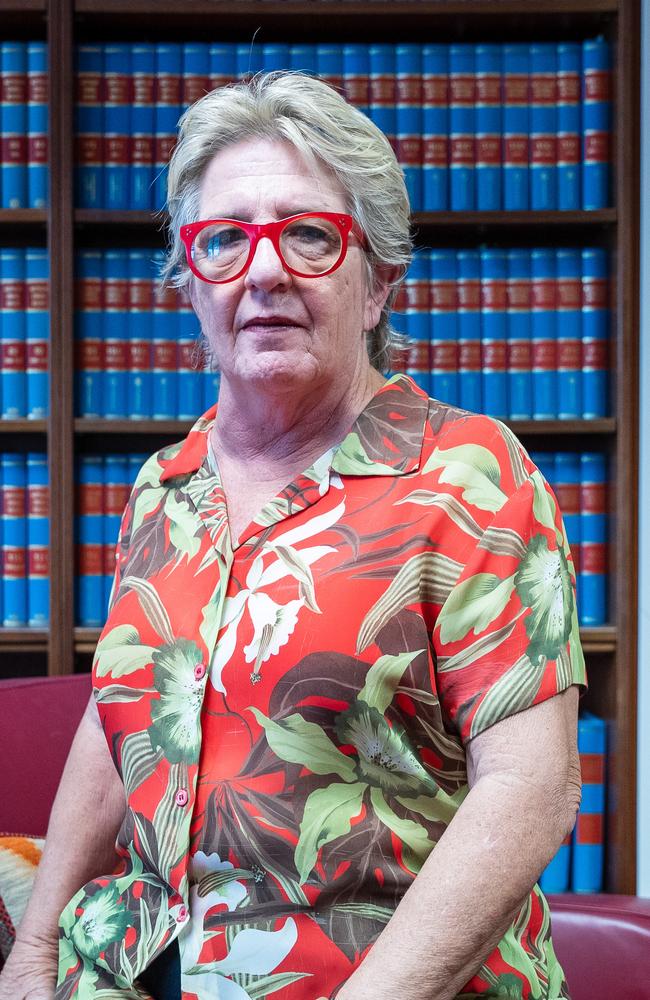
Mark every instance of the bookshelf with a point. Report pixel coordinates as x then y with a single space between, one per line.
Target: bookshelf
611 650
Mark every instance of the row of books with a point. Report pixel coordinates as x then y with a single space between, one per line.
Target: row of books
518 334
24 125
24 332
580 483
579 864
487 126
24 540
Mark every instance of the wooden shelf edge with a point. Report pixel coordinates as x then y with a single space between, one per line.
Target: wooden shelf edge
24 640
23 216
341 8
604 425
23 426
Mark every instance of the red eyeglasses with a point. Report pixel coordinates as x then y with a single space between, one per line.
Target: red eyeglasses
310 245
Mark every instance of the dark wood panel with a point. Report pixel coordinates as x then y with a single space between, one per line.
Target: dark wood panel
23 640
23 427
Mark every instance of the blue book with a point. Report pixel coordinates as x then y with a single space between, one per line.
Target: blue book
444 326
555 877
38 541
543 333
596 123
116 495
589 832
141 126
115 327
211 383
88 330
516 127
14 540
494 313
13 122
89 127
37 125
435 125
134 463
546 462
519 354
140 336
303 59
248 59
566 487
543 126
188 375
382 90
569 334
37 331
196 72
276 56
468 295
462 128
595 333
223 64
117 70
329 64
169 69
489 126
89 531
569 59
356 74
416 289
165 335
408 67
13 379
594 518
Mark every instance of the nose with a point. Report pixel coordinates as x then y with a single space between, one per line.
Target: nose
266 269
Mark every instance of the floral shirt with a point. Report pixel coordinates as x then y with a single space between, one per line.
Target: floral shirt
289 714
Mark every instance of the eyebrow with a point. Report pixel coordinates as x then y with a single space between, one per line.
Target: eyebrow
245 217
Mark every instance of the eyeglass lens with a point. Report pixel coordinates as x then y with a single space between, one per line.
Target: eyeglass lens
308 246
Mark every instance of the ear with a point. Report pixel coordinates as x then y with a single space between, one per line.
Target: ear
384 277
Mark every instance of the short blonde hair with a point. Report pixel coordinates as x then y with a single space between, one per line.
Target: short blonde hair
322 126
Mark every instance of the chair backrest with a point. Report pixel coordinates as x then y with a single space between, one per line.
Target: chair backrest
603 944
38 720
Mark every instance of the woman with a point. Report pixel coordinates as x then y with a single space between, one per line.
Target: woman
342 711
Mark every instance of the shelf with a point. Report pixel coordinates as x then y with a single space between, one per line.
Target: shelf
563 428
23 640
21 225
23 426
22 6
338 8
177 428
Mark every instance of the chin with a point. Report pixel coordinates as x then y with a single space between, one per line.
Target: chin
277 368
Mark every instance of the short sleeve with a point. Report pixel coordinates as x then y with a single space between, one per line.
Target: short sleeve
507 635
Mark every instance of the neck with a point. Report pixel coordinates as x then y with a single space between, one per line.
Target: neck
276 429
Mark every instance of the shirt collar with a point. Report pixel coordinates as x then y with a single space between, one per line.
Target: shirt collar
385 439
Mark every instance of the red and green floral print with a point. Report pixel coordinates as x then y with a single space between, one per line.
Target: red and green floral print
289 715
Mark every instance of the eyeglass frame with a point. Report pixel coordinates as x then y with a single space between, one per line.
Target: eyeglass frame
345 224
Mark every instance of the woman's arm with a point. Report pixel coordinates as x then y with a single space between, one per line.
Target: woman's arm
86 816
524 776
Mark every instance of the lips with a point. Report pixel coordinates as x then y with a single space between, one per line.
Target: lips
270 321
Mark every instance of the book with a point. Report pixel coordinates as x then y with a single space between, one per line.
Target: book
416 286
596 123
594 519
169 68
37 505
142 123
589 834
543 126
89 334
568 126
139 383
37 332
462 128
89 541
569 333
115 325
13 524
595 333
468 297
165 335
435 125
356 71
489 127
544 333
443 326
13 122
516 126
13 333
115 496
518 335
117 103
566 486
408 66
494 275
89 127
382 90
37 125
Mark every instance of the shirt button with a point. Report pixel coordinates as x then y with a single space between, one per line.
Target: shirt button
199 671
181 798
182 915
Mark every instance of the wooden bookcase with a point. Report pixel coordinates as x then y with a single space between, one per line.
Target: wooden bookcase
611 650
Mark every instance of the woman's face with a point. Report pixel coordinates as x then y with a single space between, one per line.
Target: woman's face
319 335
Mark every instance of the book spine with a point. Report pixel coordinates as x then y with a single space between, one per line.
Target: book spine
569 337
596 123
37 127
135 461
462 138
117 104
277 56
568 126
90 551
593 580
89 127
435 125
468 295
543 127
382 91
489 127
37 332
115 323
516 127
211 383
165 335
567 490
329 65
140 335
399 349
544 334
595 333
116 495
555 877
89 339
13 123
13 380
141 138
519 349
416 288
38 541
223 59
444 326
303 59
196 72
356 74
14 541
494 303
248 60
169 68
408 66
588 835
188 361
